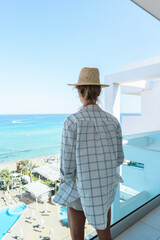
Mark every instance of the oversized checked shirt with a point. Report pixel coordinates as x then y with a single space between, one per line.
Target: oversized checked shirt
91 151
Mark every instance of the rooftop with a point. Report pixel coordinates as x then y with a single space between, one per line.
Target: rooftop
37 188
49 171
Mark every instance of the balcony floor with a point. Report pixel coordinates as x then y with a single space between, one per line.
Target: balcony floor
148 228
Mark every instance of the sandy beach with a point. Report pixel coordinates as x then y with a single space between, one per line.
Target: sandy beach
38 161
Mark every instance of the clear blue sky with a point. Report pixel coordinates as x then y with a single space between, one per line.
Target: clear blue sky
44 44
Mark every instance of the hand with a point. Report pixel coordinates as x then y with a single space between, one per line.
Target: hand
62 181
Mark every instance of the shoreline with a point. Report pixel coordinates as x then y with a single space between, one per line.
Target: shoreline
38 161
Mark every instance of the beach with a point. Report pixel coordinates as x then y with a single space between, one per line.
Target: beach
38 161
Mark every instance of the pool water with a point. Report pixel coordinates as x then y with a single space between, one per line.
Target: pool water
63 214
147 140
17 209
9 216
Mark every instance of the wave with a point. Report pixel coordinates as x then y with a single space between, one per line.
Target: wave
28 150
20 122
17 121
14 121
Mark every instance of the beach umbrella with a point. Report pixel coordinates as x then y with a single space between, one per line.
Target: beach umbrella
42 221
33 214
21 232
36 204
9 198
6 194
51 233
46 208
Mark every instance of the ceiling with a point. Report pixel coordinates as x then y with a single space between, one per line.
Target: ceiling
151 6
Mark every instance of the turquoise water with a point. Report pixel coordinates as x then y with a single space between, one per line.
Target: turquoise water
8 217
27 136
63 214
17 209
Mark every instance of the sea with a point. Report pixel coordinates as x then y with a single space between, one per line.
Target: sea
28 136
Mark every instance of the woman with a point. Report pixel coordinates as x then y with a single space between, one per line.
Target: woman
91 151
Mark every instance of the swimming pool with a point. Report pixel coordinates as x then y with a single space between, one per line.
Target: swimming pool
63 214
148 140
8 217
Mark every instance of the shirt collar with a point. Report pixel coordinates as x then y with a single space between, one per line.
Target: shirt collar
90 107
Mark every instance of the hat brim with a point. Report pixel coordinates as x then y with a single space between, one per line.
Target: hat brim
92 84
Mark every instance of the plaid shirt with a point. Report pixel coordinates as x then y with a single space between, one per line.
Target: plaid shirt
91 151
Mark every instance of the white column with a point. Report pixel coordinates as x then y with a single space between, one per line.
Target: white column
112 105
112 100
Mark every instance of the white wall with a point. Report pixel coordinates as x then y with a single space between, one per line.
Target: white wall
130 103
150 113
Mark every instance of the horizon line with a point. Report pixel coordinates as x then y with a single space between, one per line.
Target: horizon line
31 113
55 113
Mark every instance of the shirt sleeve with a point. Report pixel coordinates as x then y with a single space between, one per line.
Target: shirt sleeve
68 152
120 153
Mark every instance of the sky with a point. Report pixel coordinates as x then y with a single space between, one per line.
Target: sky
44 45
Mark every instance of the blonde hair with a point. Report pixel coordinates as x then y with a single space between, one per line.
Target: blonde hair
89 93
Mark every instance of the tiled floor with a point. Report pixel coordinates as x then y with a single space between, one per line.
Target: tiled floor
148 228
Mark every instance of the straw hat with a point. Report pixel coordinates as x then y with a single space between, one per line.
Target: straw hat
89 76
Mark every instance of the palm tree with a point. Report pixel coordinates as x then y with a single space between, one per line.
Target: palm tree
5 175
23 163
29 168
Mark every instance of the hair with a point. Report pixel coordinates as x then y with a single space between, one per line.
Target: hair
89 93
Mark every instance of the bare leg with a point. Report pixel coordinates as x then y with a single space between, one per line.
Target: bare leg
76 221
105 234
